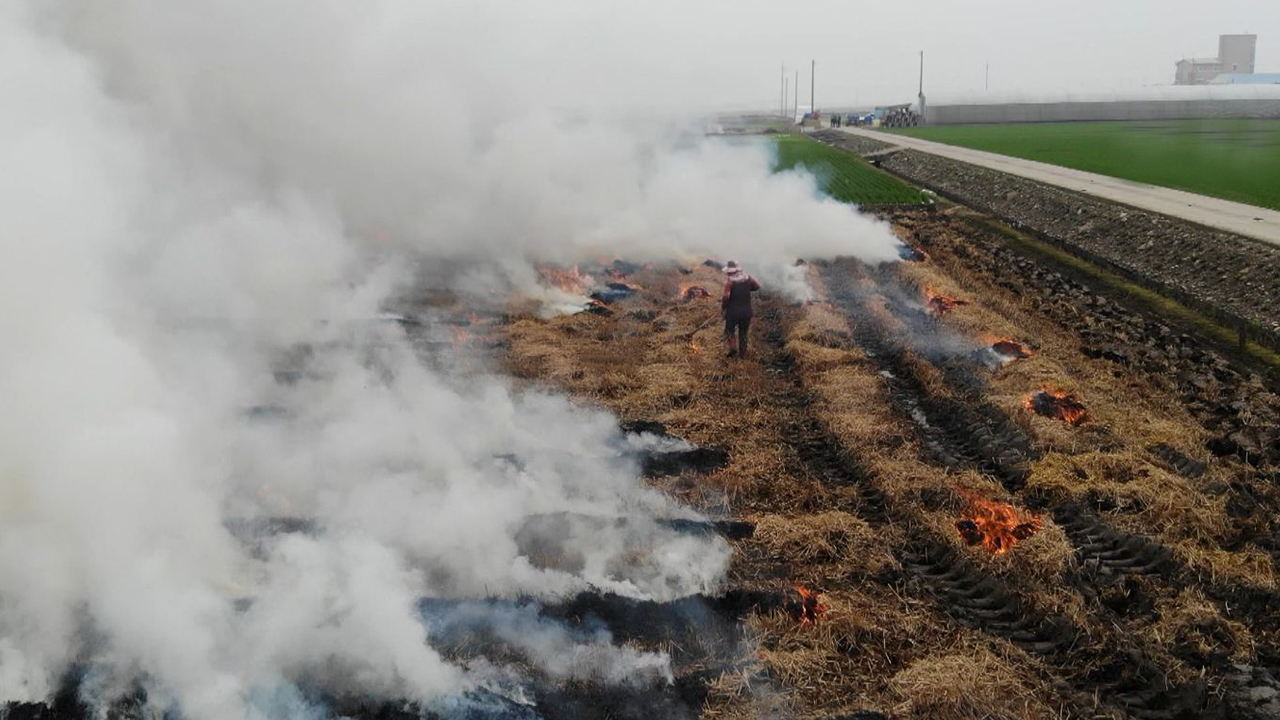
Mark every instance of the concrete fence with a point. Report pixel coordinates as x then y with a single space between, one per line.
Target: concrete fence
1165 103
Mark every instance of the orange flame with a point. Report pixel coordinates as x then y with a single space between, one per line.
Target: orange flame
569 280
939 303
997 526
806 606
1057 404
1009 349
694 292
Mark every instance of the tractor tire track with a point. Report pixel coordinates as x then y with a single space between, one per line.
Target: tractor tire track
973 433
1235 405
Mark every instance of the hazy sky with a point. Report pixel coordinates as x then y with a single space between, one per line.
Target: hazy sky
728 52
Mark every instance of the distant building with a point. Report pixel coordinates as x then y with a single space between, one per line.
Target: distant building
1235 56
1197 71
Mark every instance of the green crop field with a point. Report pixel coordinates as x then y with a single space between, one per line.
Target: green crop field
845 177
1232 159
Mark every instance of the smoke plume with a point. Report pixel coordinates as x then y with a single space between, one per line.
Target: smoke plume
208 209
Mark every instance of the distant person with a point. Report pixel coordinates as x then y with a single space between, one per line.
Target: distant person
735 304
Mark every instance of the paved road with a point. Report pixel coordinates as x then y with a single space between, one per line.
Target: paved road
1238 218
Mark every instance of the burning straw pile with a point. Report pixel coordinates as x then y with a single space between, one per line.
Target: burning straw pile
941 304
996 526
1057 404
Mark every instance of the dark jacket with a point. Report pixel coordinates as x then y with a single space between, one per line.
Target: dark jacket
736 300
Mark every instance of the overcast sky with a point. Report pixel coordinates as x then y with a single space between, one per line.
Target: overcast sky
727 53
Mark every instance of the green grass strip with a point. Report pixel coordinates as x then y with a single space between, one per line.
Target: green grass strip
844 176
1231 159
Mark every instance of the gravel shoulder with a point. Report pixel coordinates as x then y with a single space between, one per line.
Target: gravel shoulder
1235 278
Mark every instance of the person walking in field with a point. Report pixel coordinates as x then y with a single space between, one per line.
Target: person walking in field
735 304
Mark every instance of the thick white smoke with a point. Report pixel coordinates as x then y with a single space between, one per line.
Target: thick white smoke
193 193
434 125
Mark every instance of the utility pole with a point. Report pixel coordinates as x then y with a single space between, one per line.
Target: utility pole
782 87
921 72
795 94
786 92
813 64
922 86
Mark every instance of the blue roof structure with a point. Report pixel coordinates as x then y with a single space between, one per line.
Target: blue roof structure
1246 79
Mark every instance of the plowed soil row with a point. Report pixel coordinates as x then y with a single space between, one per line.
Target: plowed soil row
1244 597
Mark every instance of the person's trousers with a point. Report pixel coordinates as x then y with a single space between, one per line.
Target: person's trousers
740 326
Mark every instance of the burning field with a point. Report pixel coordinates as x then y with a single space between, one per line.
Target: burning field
953 533
323 403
